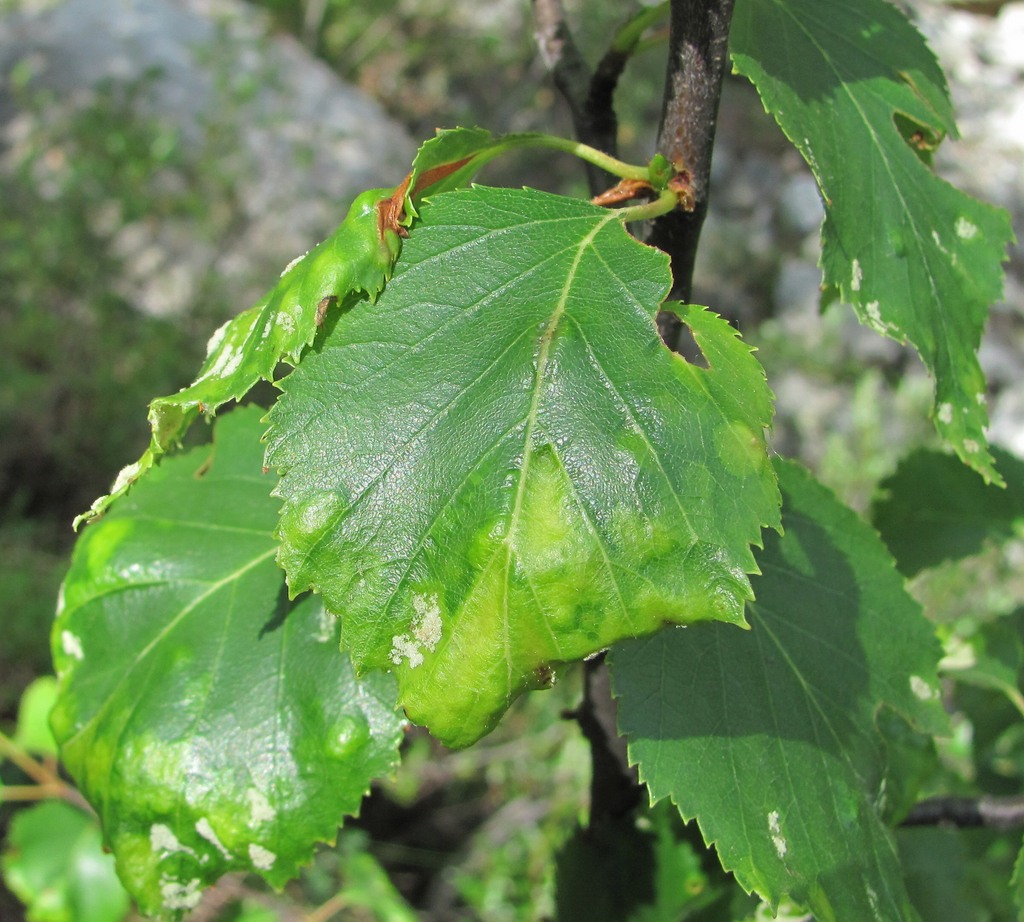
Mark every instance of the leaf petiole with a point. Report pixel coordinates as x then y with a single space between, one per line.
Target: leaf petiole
584 151
667 200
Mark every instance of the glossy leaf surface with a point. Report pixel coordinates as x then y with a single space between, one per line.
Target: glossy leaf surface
212 723
498 467
768 738
450 159
355 260
854 86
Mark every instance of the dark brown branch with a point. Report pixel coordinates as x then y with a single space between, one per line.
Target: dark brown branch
698 53
614 786
698 43
993 812
589 94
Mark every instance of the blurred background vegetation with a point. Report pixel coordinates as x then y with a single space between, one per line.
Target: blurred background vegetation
473 835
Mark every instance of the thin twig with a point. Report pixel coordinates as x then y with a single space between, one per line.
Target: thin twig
12 792
590 103
328 910
48 782
33 769
965 812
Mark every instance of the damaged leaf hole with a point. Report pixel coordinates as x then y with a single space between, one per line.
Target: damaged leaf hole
687 347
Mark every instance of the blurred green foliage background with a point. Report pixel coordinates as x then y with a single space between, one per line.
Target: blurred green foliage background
478 834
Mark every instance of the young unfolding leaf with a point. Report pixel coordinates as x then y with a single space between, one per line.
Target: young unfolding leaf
212 724
769 738
355 260
855 88
453 156
499 467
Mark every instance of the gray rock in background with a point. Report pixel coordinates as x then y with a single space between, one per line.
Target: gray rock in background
298 144
295 142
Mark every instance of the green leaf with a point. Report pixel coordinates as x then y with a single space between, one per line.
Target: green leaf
498 467
55 864
450 159
212 724
932 509
253 912
355 261
607 874
621 872
990 657
1017 884
855 88
32 732
768 738
912 764
938 873
366 885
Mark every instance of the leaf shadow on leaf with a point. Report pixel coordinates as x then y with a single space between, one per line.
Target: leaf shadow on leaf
770 738
876 46
332 315
768 680
282 608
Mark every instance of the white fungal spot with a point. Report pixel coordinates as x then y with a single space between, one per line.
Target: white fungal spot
781 847
180 896
873 902
857 277
427 627
965 230
260 810
204 829
426 632
232 359
285 322
945 413
981 400
162 839
938 242
293 264
882 800
71 645
262 859
125 476
921 689
217 338
875 316
225 364
971 447
402 646
325 624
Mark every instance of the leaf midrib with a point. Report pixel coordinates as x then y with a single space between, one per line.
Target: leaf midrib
543 357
